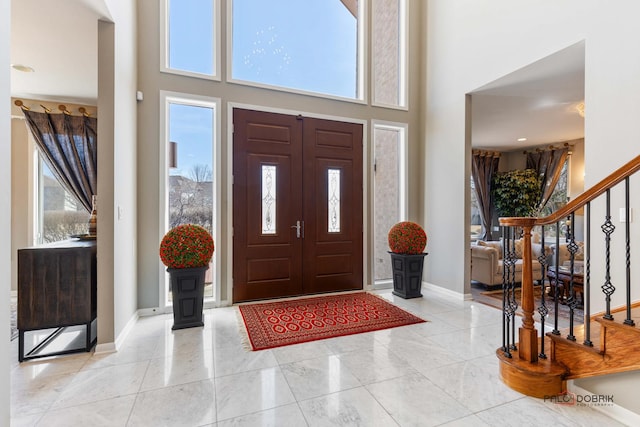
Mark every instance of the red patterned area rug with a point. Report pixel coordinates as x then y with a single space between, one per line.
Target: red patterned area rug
275 324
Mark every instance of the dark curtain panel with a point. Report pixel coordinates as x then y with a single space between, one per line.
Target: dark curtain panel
483 166
68 145
548 164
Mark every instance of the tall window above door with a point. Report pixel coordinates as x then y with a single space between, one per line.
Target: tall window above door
310 46
190 37
389 40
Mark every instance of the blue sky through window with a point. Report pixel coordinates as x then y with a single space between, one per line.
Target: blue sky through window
191 35
309 45
192 128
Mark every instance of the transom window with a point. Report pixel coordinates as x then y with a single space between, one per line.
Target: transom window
189 36
310 45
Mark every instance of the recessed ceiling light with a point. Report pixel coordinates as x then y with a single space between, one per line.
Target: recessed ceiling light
23 68
522 139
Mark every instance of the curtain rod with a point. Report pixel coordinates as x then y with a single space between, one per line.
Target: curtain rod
549 148
61 107
486 153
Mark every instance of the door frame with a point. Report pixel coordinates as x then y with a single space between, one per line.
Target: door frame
366 171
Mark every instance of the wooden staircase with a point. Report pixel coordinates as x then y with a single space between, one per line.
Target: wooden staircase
615 348
539 365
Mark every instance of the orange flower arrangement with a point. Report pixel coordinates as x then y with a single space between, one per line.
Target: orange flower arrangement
407 238
186 246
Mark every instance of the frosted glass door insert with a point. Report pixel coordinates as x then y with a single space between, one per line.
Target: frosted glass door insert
268 199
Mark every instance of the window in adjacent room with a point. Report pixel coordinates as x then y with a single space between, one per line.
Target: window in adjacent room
59 214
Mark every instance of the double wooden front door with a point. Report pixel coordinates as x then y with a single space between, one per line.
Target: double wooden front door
297 205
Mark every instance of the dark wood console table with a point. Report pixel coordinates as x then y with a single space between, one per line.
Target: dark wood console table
563 280
57 286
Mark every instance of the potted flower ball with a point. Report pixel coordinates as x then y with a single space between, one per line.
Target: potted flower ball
186 250
407 241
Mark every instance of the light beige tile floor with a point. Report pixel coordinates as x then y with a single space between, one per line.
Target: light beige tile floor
443 372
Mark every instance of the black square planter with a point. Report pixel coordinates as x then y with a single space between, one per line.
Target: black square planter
187 291
407 274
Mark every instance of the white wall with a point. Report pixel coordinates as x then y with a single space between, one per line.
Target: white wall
5 211
117 172
124 209
626 383
471 43
21 181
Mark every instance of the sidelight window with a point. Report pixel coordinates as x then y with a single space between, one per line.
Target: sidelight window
189 162
390 183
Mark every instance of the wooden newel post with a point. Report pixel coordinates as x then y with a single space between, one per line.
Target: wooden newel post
528 335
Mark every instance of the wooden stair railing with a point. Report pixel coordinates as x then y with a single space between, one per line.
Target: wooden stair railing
538 367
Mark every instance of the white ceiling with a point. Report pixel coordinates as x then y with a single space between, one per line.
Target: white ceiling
537 102
59 40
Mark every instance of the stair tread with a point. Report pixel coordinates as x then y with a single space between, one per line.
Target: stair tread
618 322
618 354
579 331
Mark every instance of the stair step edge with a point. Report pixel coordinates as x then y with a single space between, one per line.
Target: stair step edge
618 325
578 343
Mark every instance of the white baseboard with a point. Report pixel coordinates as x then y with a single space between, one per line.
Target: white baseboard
614 411
122 336
448 292
153 311
110 347
216 304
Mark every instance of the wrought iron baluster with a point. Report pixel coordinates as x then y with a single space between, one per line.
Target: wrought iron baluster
512 285
627 210
556 295
607 288
587 280
508 298
505 313
542 309
572 302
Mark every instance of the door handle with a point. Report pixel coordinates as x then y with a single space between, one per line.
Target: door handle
299 229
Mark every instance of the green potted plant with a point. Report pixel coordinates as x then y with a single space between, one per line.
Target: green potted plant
407 241
516 193
186 250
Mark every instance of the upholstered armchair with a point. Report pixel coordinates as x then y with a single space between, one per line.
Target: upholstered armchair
565 256
487 258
